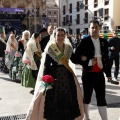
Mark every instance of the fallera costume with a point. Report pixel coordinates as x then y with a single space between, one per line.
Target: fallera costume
10 55
28 79
64 100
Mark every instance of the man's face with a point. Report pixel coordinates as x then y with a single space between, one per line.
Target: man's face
50 30
94 30
115 34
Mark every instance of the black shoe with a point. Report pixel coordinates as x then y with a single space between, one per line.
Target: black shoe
32 92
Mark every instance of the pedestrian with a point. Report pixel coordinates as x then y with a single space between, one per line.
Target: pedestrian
92 54
83 33
46 38
63 100
23 41
16 73
31 59
114 49
76 41
11 48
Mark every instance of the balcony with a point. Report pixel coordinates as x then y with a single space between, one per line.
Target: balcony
78 9
106 17
95 4
85 20
77 21
86 7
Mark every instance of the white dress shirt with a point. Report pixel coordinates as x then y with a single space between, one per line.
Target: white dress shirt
96 43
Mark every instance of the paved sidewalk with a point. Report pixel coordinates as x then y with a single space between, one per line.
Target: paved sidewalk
15 99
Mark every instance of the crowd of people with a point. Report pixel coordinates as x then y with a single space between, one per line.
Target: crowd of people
41 61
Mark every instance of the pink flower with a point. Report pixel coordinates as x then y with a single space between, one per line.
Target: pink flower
17 54
26 61
6 51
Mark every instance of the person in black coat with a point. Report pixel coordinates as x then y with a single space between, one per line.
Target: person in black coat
92 54
45 39
114 49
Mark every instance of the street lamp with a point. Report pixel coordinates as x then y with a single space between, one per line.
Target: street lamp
69 24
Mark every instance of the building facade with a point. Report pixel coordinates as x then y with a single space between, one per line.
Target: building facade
52 12
75 15
33 11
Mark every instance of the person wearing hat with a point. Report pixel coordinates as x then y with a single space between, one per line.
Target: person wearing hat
83 33
114 49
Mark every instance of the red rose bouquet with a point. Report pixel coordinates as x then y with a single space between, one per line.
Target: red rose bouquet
48 80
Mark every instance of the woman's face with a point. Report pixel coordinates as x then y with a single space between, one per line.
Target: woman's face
37 39
60 36
12 37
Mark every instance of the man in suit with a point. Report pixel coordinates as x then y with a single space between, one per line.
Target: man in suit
114 49
92 54
45 39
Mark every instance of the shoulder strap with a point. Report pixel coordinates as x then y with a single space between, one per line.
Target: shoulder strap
61 57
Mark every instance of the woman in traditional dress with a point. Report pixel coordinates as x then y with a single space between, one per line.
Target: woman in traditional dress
23 41
11 48
18 65
31 60
63 100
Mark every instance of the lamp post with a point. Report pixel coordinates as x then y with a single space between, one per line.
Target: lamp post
69 24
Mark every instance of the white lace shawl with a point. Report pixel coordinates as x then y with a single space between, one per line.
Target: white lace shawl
29 53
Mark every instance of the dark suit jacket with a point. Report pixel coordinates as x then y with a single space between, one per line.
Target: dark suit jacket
44 42
116 43
86 48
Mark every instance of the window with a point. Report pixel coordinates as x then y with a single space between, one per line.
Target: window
106 15
106 2
78 6
78 31
86 4
70 10
86 18
78 19
95 13
106 28
71 31
118 28
63 21
55 20
95 3
106 11
49 12
54 12
64 9
71 19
